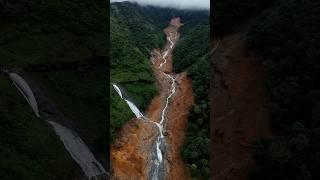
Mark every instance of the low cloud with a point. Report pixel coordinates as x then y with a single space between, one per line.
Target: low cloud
180 4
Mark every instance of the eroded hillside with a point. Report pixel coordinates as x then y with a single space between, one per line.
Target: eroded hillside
239 115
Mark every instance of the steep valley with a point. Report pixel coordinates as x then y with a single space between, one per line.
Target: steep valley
135 153
238 108
152 145
265 95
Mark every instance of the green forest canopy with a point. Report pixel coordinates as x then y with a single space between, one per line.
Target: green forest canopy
44 33
285 34
135 31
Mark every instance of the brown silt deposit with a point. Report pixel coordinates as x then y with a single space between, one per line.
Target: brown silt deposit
131 154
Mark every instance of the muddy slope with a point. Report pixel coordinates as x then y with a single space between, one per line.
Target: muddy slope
132 152
238 108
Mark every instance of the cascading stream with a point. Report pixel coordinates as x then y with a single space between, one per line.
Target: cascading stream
164 57
78 150
168 38
160 139
165 54
157 163
168 98
131 105
25 90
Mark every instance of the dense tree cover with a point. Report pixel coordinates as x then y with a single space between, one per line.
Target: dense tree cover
133 36
41 33
191 55
162 16
135 31
194 43
286 35
228 15
196 147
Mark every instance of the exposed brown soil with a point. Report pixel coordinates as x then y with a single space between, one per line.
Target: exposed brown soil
131 153
238 109
176 22
176 168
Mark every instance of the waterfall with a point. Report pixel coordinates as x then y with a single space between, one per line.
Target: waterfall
71 141
79 151
25 90
131 105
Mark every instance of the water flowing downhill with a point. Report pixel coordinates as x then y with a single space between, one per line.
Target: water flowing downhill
172 44
164 57
158 154
131 105
165 54
78 150
25 90
173 90
157 169
157 160
145 149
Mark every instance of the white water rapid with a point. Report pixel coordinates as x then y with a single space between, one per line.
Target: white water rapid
160 141
168 38
25 90
157 168
157 163
131 105
78 150
173 90
164 57
165 54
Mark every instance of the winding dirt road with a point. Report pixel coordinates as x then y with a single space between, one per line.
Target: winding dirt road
146 151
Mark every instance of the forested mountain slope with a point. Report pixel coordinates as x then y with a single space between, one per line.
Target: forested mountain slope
133 35
285 34
192 55
60 45
50 31
135 31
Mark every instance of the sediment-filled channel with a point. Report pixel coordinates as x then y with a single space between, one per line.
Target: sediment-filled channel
149 145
